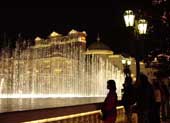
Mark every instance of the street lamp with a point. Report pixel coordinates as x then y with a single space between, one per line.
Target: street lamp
126 64
139 27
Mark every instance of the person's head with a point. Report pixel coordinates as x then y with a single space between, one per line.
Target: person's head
111 85
143 79
156 84
128 80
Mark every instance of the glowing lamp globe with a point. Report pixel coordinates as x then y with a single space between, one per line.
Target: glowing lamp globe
129 18
142 26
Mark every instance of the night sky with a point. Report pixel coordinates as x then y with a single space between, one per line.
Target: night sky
104 18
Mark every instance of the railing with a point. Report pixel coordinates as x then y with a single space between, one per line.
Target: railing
86 117
84 113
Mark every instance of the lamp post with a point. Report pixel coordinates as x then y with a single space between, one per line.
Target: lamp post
139 28
126 64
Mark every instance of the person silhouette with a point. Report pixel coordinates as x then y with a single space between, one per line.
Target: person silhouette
158 98
145 100
109 105
165 100
128 98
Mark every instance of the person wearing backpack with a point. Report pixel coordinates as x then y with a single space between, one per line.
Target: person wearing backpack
128 98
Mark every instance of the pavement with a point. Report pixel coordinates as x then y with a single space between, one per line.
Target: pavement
167 121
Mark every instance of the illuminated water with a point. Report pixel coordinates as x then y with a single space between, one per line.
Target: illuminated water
20 104
55 67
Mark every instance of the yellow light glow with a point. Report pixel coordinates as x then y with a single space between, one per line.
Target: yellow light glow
56 43
123 61
102 52
82 39
1 84
84 32
141 63
34 75
126 61
129 18
114 56
21 95
129 62
37 39
134 79
46 61
73 31
57 71
142 26
54 34
68 116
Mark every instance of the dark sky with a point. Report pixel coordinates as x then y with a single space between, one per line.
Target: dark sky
103 18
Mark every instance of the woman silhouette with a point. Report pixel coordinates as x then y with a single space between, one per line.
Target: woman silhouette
109 105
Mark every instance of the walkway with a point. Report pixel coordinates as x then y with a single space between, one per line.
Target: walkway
134 119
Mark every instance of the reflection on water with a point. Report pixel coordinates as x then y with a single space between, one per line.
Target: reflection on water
9 105
54 67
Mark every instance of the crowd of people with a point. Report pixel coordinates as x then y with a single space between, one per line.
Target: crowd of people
150 100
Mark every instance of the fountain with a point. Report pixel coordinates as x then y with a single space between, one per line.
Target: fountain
56 67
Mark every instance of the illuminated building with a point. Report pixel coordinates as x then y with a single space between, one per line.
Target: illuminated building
58 66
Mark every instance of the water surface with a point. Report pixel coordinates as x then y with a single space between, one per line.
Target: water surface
16 104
